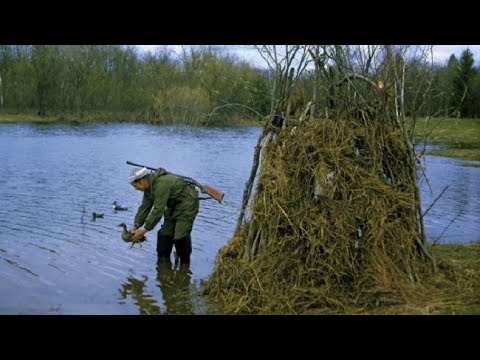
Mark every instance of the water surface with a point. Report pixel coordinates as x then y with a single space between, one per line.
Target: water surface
55 259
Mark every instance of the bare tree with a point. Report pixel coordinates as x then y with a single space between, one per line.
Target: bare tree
286 65
363 82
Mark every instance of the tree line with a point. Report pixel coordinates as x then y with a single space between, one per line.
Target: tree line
202 85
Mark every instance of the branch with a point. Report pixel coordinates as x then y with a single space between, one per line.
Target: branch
249 184
438 197
357 76
451 222
234 104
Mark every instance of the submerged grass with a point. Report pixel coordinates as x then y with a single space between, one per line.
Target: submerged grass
463 154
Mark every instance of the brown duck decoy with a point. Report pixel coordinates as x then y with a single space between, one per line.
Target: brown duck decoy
127 235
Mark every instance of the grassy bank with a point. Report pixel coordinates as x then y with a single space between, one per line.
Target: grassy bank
66 118
453 290
461 135
30 118
91 117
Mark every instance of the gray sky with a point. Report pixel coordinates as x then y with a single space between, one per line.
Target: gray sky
441 53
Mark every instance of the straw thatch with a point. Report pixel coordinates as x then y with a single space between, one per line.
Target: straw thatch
332 224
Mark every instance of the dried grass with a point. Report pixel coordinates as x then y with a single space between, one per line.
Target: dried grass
332 224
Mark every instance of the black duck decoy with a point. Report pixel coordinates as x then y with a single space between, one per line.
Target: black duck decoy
117 207
96 216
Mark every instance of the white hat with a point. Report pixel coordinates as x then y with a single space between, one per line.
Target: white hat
137 173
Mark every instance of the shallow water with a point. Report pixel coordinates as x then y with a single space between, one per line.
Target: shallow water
55 259
455 217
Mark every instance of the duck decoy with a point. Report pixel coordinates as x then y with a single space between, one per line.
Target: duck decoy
127 235
117 207
96 216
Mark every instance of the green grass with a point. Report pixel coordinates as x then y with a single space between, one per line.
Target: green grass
87 117
461 135
456 286
464 154
99 116
453 290
15 118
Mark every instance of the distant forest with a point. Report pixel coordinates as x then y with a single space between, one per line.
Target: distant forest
200 86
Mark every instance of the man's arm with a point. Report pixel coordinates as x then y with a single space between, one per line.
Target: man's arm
142 212
159 204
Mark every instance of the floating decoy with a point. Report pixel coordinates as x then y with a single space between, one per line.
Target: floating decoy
117 207
127 235
96 216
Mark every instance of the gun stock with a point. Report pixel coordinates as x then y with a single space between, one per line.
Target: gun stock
214 193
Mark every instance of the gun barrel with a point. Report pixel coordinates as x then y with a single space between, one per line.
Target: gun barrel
134 164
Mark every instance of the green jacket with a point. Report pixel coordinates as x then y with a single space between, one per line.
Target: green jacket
163 192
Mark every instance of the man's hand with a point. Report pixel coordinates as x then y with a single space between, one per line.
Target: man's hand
138 234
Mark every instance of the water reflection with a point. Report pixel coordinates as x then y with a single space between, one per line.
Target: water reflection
175 286
136 289
176 290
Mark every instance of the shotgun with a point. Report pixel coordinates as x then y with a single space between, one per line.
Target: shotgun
205 189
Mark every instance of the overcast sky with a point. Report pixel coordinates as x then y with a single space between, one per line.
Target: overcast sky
441 53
